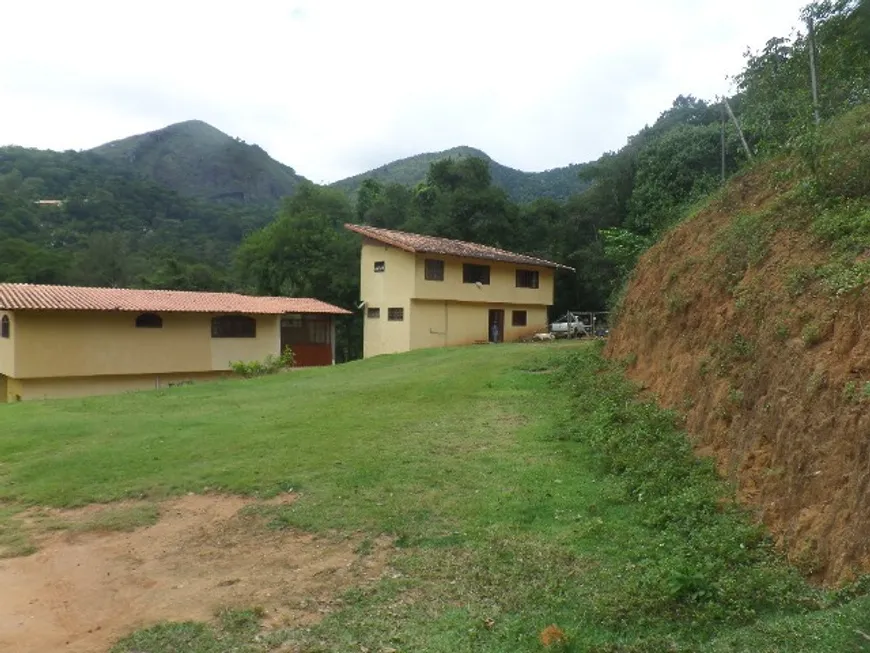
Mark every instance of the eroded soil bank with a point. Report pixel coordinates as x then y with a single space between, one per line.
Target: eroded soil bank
725 322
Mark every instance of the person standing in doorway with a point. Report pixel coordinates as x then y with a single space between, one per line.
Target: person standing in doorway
493 332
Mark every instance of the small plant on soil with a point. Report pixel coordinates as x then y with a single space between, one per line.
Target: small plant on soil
811 334
816 382
850 392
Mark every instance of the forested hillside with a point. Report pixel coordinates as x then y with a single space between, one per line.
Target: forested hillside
195 159
68 217
558 184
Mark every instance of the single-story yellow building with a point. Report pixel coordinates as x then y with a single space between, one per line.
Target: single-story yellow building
61 341
424 291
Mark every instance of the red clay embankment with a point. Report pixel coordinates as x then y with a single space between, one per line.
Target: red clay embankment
769 367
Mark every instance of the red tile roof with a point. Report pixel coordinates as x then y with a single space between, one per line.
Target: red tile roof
445 246
28 296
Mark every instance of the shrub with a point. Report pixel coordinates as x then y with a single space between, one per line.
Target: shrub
811 334
269 365
850 392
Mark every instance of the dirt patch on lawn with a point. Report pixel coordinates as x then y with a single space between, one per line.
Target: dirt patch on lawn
82 591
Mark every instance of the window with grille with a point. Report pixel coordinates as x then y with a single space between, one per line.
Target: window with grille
233 326
318 331
434 269
380 266
373 313
395 314
527 279
4 327
149 321
475 273
518 318
305 329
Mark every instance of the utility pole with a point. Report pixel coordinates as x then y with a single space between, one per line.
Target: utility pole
722 137
812 39
739 131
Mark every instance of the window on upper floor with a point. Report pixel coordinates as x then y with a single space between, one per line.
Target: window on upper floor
527 279
519 318
373 313
395 314
233 326
434 269
380 266
5 329
149 321
475 273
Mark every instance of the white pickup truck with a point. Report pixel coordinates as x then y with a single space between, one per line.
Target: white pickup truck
570 326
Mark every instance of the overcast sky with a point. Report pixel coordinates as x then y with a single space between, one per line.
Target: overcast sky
336 87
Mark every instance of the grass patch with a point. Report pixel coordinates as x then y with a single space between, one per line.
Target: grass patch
742 244
14 540
120 519
190 637
811 334
522 504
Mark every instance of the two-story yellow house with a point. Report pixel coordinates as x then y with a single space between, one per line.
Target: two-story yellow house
423 291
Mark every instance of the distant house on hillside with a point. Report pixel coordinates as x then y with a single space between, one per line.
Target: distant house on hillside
423 291
58 341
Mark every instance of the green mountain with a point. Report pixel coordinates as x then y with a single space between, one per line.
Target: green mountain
77 217
197 160
558 183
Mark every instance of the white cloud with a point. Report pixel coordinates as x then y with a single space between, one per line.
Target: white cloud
334 87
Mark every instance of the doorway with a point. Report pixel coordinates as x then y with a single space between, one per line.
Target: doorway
495 325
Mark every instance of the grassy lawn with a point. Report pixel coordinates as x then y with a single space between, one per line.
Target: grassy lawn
524 487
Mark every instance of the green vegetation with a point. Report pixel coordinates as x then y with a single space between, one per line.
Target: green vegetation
556 184
270 365
14 540
523 485
195 159
111 228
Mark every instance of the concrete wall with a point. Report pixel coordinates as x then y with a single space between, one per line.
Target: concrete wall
51 344
438 324
30 389
7 346
225 350
501 289
391 288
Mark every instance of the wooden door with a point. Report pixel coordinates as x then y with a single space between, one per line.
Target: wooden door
495 325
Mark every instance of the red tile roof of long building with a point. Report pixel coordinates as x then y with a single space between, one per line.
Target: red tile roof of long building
418 243
27 296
